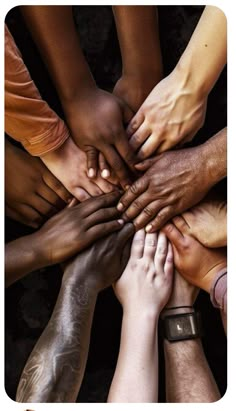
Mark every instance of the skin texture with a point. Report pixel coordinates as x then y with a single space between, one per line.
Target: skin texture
175 109
185 360
142 64
143 290
196 263
207 222
63 236
173 182
95 118
69 165
65 341
33 194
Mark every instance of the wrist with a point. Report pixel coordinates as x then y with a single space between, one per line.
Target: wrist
177 309
87 87
141 314
74 275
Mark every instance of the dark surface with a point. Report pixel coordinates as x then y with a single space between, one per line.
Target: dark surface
29 303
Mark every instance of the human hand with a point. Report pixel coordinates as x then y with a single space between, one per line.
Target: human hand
196 263
147 279
32 193
134 88
207 222
172 113
96 120
175 181
68 163
75 228
103 262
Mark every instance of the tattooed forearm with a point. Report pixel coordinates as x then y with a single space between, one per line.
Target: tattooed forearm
55 368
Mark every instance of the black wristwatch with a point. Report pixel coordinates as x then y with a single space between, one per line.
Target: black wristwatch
179 327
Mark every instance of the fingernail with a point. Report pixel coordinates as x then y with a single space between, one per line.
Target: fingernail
105 173
120 207
91 173
148 228
120 221
127 186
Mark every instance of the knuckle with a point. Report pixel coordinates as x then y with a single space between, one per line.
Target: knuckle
148 211
134 189
137 204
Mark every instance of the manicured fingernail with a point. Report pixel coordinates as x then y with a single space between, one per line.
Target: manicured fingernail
148 228
120 207
127 186
91 173
105 173
120 221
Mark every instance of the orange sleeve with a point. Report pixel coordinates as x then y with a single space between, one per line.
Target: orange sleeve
28 118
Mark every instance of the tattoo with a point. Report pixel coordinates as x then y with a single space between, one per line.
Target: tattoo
55 368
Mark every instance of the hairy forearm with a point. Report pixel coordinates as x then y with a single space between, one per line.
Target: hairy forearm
206 53
55 34
21 258
215 153
136 374
55 368
188 376
140 48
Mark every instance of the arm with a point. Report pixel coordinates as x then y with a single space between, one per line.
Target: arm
140 50
143 290
188 173
54 371
83 224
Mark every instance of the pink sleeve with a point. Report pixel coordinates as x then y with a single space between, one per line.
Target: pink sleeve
218 293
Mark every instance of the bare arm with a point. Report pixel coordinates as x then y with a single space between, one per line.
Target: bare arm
188 376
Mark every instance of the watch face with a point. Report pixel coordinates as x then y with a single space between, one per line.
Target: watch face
182 326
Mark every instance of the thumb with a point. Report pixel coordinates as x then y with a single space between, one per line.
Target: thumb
146 164
123 235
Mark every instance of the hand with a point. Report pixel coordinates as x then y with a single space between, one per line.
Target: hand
33 194
75 228
103 262
172 114
175 181
133 89
196 263
147 279
96 120
68 164
207 222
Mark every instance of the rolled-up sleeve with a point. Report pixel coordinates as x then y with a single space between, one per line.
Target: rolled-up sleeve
28 118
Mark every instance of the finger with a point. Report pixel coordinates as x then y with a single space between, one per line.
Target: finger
173 234
137 246
81 194
146 164
150 246
104 166
117 165
73 203
123 236
135 123
51 196
140 136
91 188
165 146
32 216
92 161
17 216
134 191
105 185
125 150
53 183
102 230
161 251
181 224
169 263
148 212
148 148
44 208
162 216
103 201
102 215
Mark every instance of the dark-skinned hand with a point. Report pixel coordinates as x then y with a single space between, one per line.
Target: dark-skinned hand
173 182
75 228
32 193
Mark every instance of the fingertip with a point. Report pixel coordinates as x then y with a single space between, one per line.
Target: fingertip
105 173
91 172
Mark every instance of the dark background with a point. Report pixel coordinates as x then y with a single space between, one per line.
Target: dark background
29 302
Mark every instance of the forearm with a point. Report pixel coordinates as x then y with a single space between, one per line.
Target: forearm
55 368
136 374
54 32
140 48
21 258
188 376
215 157
207 46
